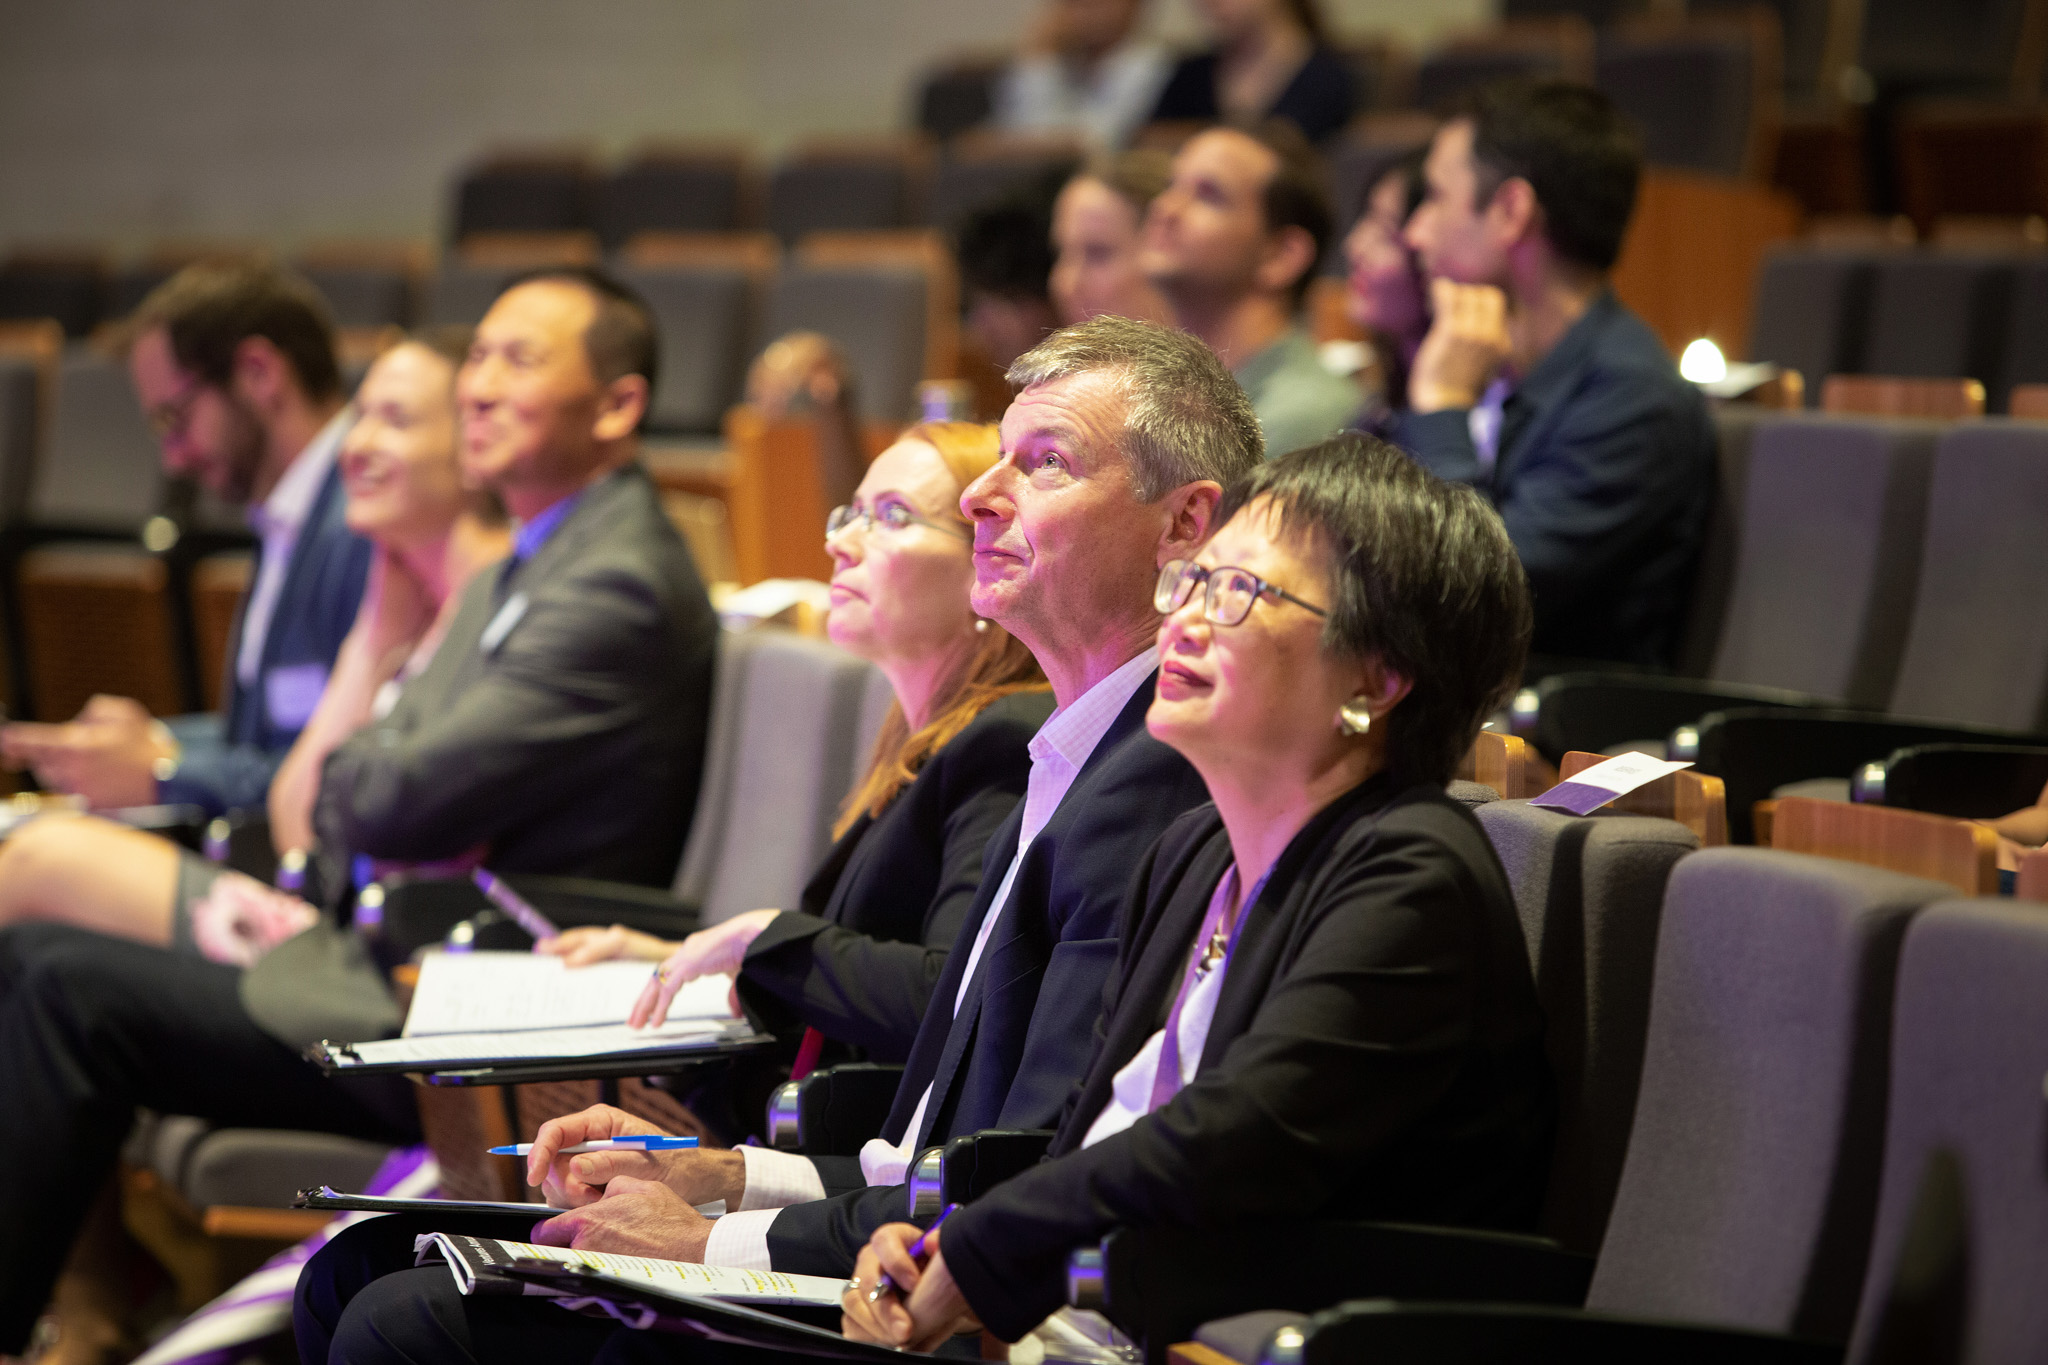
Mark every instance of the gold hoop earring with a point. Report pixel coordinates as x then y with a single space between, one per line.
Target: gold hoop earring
1353 718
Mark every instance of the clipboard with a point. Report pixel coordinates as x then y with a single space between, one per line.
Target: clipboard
327 1197
647 1307
345 1059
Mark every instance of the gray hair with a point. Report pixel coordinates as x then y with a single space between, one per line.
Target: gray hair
1185 418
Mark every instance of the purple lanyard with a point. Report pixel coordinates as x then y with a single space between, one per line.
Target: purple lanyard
1166 1080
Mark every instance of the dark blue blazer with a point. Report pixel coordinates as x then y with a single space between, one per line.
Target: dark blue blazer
229 764
1604 478
1024 1033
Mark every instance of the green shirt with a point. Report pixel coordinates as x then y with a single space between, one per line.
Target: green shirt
1298 402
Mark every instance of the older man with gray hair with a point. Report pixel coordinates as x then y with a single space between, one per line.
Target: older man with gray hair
1116 451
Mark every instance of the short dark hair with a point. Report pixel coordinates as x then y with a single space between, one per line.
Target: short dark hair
622 338
1422 576
1005 246
1298 195
1573 147
209 309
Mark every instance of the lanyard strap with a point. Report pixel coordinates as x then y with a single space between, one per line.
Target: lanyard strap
1166 1080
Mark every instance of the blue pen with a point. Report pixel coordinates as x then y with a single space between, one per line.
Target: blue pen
514 905
617 1144
883 1284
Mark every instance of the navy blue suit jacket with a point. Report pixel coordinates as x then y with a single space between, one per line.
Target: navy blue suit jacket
1604 478
227 761
1024 1034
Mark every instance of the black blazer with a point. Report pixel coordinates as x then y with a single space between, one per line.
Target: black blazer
1318 98
228 767
859 956
1024 1033
565 735
1604 479
1376 1053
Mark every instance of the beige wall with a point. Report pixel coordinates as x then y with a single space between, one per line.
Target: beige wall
126 121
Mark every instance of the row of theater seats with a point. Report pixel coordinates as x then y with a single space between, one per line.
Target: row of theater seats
1958 313
1800 1108
1871 580
792 721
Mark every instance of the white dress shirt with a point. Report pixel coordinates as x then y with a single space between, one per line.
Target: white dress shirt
1041 93
1059 750
277 521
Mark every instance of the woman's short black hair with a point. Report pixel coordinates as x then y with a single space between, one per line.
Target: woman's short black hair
1422 576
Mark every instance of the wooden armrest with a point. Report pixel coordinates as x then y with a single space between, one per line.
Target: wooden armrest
272 1225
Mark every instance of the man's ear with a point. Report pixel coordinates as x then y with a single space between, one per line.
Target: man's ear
261 376
1290 253
1191 517
620 407
1515 211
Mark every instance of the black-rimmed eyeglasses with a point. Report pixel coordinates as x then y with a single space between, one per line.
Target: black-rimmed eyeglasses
892 516
1230 591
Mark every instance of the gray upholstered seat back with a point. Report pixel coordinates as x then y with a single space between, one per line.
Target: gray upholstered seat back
876 314
1589 892
100 469
1939 315
1838 506
458 295
1752 1169
705 318
1691 92
786 719
20 433
1812 311
1978 650
1970 1048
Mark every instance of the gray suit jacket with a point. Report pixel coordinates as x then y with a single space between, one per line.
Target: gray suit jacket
560 729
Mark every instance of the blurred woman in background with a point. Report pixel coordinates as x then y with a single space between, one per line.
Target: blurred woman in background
1387 292
1096 222
1271 59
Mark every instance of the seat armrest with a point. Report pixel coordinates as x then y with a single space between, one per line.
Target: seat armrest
1756 750
969 1166
978 1162
1395 1333
1594 711
1158 1284
834 1110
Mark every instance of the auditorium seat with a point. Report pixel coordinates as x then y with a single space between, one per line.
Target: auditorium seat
101 471
1558 46
366 284
1874 395
1939 315
1967 781
1940 848
1812 311
959 94
683 187
1748 1183
461 291
1970 1044
978 169
525 191
707 316
2025 345
22 422
787 738
1703 93
97 618
69 286
1589 893
842 185
877 314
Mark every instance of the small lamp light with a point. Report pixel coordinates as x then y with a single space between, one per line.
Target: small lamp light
1703 363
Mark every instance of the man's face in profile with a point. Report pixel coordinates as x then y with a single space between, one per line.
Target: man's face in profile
1059 534
1206 232
1452 229
204 431
527 396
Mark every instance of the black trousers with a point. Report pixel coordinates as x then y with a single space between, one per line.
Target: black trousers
361 1301
90 1028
